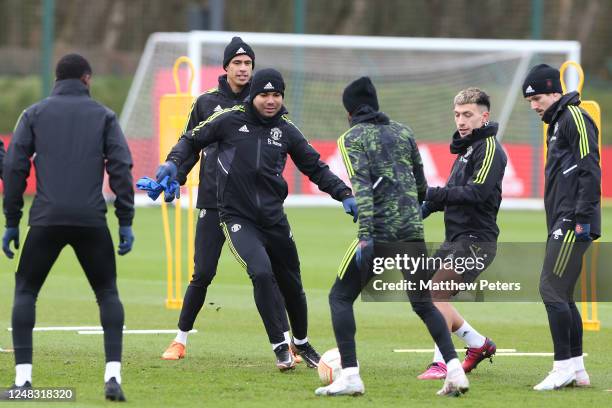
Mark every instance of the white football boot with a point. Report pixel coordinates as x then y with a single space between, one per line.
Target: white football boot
556 379
582 379
455 384
344 385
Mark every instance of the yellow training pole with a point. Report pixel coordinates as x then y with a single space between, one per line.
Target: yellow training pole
173 113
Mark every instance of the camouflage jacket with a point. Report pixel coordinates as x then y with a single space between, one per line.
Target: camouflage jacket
386 171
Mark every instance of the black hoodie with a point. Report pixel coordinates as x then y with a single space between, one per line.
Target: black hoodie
207 104
472 195
572 188
252 152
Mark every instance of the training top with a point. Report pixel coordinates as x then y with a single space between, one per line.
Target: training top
210 102
572 186
473 191
252 153
386 172
72 140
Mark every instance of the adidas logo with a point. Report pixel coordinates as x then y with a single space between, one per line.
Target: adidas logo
241 51
269 86
529 89
218 109
244 128
557 234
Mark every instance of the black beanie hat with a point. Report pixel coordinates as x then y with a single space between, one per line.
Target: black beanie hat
360 92
542 79
266 80
72 66
237 47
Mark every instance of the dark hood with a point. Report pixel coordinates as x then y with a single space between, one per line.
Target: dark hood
551 114
226 89
367 114
460 144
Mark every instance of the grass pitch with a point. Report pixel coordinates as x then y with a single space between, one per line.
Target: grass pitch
230 363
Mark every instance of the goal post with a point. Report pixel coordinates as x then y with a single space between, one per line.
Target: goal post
416 79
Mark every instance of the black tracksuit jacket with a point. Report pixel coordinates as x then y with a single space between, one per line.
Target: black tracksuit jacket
472 195
572 188
252 153
73 139
210 102
2 152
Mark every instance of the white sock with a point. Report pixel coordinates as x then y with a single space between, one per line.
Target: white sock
287 337
275 345
181 337
23 373
113 369
563 365
453 365
578 363
470 336
350 371
299 342
437 358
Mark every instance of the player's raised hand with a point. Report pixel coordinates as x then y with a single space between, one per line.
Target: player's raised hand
168 169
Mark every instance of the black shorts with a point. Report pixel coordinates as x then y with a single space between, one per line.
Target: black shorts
470 256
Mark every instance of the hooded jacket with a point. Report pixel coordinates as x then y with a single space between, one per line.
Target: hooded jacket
572 187
207 104
252 153
386 172
472 195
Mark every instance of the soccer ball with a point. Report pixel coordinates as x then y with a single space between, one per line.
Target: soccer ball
329 366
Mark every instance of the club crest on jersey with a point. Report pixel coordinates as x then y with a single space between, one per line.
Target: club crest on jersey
236 227
557 233
275 135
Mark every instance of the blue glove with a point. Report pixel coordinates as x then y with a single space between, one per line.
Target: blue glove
126 240
583 232
425 210
350 207
171 189
168 169
10 234
149 185
365 253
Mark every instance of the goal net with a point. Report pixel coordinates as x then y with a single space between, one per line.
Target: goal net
416 79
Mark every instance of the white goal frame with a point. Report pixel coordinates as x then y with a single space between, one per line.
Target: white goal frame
525 49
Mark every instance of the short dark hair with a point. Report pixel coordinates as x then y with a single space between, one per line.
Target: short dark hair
473 95
72 66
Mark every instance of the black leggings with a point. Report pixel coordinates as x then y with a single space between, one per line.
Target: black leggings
350 282
94 249
271 260
561 270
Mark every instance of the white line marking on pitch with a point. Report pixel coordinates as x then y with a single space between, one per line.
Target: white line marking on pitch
499 353
171 331
432 350
64 328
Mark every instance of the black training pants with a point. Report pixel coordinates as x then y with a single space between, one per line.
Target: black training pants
350 282
561 270
94 249
270 257
209 240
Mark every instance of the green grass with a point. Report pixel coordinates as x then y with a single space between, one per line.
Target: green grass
230 363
